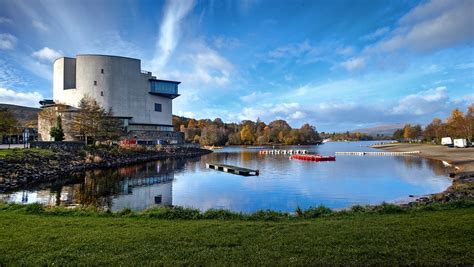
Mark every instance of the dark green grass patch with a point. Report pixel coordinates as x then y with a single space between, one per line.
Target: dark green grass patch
440 237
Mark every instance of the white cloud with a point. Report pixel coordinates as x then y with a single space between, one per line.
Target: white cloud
376 34
202 66
10 76
47 54
43 70
354 63
294 50
40 25
5 20
194 62
431 26
112 43
255 96
225 42
30 99
341 114
465 66
7 41
170 31
289 77
345 51
424 102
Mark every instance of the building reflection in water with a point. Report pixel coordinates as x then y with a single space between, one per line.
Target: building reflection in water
136 187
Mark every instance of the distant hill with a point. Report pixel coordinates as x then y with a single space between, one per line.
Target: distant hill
26 115
386 130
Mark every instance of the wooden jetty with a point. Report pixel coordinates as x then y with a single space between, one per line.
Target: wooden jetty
378 153
232 169
282 151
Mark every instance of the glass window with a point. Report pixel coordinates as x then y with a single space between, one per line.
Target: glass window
102 71
95 82
157 107
164 87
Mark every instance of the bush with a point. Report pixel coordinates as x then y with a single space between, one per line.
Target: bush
125 211
173 213
386 208
314 212
221 214
358 209
34 208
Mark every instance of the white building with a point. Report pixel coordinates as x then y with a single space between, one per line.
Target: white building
142 101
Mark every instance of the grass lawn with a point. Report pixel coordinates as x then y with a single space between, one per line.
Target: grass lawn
426 237
21 152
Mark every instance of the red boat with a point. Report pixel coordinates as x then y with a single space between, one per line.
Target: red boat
313 157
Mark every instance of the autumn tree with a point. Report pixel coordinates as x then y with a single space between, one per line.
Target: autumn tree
469 122
456 123
407 131
246 135
308 134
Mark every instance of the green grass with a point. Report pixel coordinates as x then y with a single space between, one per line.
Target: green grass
434 235
19 152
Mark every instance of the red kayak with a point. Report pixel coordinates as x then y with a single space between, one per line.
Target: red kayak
313 157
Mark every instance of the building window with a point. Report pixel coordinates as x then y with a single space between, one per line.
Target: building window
157 107
95 82
101 93
102 71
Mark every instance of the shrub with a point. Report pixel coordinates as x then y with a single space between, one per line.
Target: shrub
173 213
386 208
299 212
358 208
34 208
125 211
221 214
314 212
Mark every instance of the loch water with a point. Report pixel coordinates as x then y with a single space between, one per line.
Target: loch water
282 185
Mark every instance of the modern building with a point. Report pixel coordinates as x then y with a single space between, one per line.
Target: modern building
143 102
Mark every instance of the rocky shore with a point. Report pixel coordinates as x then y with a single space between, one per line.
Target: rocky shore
460 160
29 167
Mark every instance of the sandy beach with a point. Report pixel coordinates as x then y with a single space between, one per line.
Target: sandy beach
459 157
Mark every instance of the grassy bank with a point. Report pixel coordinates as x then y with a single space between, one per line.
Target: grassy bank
436 234
19 152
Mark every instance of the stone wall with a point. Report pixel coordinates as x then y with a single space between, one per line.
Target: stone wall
47 118
169 137
66 145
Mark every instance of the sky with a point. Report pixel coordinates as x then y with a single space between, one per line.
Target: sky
339 65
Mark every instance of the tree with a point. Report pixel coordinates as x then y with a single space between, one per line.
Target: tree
407 134
308 134
57 132
111 128
8 123
469 122
92 121
416 132
455 124
398 134
434 130
246 135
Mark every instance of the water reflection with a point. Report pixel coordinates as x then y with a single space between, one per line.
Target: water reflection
283 184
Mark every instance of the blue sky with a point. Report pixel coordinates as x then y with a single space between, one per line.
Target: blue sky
339 65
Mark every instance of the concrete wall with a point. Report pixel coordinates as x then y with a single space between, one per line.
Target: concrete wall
121 87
